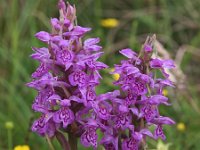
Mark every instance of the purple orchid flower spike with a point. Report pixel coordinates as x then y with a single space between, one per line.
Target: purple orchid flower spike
141 95
66 80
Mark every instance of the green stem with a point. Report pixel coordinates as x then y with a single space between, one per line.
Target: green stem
10 145
72 141
63 142
49 143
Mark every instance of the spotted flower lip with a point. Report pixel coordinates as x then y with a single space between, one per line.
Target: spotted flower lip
130 144
44 125
89 137
64 115
65 57
78 78
41 70
159 133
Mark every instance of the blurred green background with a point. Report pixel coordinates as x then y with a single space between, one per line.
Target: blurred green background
175 22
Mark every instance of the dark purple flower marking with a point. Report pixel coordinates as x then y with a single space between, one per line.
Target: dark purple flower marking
91 94
159 132
109 146
40 123
102 109
78 78
109 142
130 144
150 112
41 104
89 137
41 70
122 120
65 57
44 125
139 87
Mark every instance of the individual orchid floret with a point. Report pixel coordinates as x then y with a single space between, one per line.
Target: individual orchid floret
90 44
64 115
162 65
89 137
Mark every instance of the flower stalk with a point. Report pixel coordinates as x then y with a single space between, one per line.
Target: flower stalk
62 140
73 141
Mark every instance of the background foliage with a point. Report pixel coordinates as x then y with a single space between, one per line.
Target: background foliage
176 24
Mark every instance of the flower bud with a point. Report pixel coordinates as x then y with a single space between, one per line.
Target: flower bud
9 125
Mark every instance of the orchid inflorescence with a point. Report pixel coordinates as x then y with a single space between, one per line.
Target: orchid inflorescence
67 101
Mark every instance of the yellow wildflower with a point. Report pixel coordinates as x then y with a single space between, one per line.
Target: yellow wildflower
181 127
22 147
165 92
115 76
109 22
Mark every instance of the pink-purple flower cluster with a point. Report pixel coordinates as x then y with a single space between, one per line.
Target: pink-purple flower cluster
66 81
141 95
